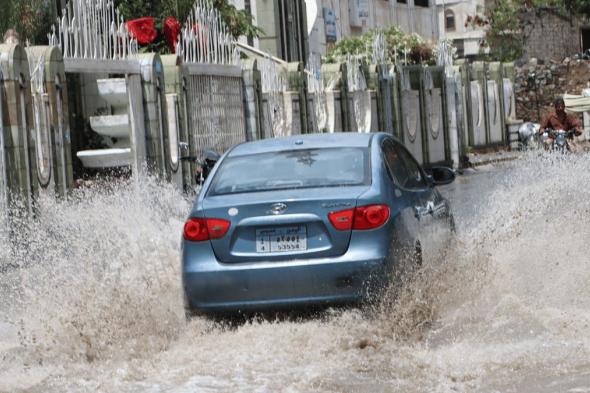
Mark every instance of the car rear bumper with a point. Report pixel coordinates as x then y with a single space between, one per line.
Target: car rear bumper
214 287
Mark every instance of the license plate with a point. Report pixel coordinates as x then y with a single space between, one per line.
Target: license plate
283 239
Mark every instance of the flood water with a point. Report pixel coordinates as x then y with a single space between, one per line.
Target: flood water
90 301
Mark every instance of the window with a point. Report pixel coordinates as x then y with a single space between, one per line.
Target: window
292 169
449 20
402 167
292 34
415 178
460 46
395 169
402 1
421 3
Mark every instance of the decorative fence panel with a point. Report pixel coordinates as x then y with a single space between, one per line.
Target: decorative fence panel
411 110
50 107
216 114
435 122
20 181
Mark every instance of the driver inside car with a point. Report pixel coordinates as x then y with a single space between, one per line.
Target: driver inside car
559 120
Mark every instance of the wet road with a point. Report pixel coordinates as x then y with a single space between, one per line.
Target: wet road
96 305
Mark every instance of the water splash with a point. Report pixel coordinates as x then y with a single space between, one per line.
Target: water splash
355 77
317 90
93 278
274 86
445 54
95 302
379 53
361 97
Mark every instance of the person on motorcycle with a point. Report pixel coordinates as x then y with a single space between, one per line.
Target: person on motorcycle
209 161
559 120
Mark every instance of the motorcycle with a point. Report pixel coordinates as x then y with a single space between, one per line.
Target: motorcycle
202 166
559 138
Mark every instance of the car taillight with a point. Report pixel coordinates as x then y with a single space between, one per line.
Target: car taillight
370 217
360 218
201 229
342 220
217 227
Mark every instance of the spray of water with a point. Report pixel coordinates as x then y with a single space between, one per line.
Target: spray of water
94 277
361 97
94 302
274 86
317 90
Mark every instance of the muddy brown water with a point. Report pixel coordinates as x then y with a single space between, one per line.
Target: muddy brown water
92 301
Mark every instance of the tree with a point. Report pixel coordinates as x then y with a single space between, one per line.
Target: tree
30 18
504 39
417 50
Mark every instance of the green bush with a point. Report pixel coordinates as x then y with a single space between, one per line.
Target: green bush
418 50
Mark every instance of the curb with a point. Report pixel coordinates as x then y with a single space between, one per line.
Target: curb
488 159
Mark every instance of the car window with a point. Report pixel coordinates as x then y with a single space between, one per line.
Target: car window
404 169
292 169
415 178
395 166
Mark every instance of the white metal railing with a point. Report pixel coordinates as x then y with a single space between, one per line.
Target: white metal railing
205 38
92 29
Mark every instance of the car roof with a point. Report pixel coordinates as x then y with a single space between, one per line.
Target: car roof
303 142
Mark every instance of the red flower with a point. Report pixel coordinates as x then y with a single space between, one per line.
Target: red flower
143 29
171 31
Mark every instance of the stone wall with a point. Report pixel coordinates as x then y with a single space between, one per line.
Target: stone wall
550 35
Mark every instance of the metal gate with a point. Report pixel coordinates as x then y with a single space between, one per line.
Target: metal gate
216 108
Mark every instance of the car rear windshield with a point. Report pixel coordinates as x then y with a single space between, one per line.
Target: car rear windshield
329 167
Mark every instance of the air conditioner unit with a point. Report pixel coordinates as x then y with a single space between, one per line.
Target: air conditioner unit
359 12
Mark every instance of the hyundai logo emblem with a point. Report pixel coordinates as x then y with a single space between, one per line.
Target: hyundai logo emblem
277 208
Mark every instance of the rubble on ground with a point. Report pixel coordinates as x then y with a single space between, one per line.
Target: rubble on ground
538 82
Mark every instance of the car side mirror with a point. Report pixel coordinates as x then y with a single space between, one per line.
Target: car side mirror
440 175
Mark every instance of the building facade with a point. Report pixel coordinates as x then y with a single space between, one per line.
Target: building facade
331 20
454 24
296 28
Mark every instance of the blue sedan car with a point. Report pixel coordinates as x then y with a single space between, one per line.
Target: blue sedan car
308 220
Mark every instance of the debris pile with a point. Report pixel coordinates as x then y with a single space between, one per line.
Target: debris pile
537 83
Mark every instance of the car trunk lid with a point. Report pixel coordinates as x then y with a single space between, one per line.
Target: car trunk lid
281 225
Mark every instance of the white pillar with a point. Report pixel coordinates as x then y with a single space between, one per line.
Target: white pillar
587 125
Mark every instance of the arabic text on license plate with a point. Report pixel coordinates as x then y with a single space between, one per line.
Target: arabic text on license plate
281 239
